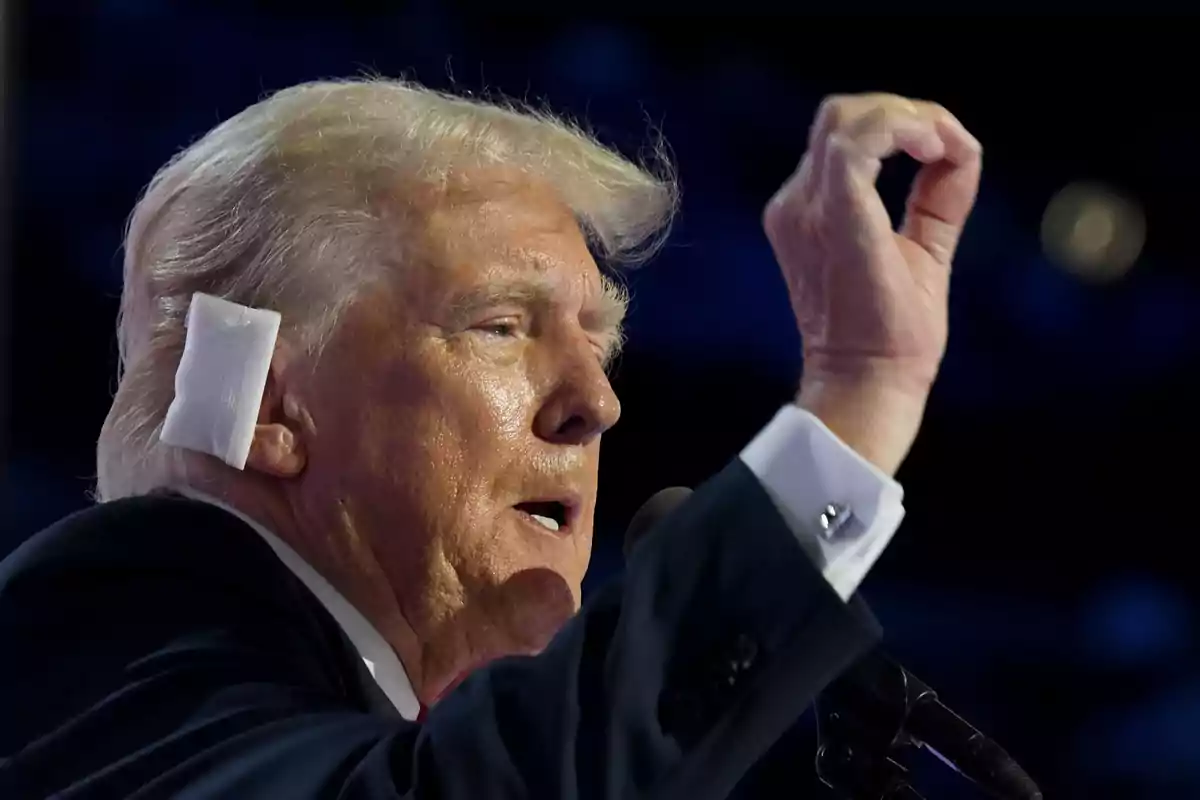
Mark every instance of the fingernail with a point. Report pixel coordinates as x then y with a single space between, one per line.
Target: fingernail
967 136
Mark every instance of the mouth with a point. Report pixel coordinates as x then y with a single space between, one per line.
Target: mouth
551 515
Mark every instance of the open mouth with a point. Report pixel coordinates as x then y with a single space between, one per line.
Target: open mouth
550 514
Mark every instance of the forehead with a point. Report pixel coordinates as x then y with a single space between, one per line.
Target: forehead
501 230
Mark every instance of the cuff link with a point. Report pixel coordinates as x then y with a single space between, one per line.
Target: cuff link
833 521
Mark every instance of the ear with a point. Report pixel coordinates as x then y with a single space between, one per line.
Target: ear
279 447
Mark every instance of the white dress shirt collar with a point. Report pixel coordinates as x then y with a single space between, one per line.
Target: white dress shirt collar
380 659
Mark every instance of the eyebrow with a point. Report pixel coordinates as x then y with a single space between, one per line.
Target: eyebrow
604 314
606 311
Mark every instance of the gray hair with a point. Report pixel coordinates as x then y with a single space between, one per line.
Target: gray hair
287 205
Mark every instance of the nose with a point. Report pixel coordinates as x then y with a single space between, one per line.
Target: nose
581 404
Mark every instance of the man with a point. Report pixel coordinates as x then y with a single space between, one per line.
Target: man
350 469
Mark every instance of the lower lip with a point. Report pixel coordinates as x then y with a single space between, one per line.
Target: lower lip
540 528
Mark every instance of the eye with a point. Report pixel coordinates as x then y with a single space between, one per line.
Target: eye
506 327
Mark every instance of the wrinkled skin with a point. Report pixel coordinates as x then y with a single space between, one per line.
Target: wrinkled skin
470 383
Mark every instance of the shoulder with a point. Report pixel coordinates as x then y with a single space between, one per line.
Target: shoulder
157 553
150 530
151 591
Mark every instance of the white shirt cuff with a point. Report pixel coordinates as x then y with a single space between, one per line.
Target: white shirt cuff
843 509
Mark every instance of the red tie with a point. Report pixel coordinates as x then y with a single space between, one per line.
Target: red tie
424 712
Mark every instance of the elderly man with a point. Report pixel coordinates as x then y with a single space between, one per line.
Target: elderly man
349 473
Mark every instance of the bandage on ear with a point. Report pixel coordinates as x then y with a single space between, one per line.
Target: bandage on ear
221 378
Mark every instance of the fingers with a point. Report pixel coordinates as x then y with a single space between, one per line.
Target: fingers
851 136
943 194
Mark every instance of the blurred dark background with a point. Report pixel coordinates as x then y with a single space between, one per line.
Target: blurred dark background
1042 579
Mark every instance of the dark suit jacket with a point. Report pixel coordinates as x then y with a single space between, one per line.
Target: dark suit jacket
156 647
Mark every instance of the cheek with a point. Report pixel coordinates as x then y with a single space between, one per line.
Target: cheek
471 437
501 405
452 421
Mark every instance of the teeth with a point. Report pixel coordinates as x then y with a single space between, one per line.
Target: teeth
547 522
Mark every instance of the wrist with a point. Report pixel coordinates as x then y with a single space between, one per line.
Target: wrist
877 419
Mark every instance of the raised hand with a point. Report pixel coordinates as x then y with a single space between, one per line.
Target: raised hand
870 301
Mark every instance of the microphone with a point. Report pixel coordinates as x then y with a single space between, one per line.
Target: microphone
658 507
877 700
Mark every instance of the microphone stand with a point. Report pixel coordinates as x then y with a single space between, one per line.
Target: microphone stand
858 735
866 715
862 769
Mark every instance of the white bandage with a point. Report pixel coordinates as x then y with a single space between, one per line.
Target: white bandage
221 378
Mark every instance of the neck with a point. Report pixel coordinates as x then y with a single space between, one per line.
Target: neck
331 546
